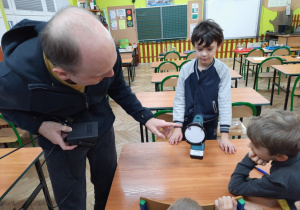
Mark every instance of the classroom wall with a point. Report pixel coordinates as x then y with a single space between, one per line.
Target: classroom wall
148 52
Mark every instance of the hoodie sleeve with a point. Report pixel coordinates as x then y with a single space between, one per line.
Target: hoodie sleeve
123 95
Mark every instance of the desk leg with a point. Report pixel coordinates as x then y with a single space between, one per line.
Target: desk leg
287 92
255 79
128 76
142 133
247 73
273 86
146 133
234 56
42 186
241 64
258 110
156 87
235 83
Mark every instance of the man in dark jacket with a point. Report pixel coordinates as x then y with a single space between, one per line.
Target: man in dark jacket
60 72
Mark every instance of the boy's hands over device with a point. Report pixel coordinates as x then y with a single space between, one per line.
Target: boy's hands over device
256 159
176 136
225 203
154 125
54 132
226 145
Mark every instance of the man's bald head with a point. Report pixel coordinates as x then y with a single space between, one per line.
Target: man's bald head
65 35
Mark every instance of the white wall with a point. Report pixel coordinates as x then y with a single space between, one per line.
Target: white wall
17 10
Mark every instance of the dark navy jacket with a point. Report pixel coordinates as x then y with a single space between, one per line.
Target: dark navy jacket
29 94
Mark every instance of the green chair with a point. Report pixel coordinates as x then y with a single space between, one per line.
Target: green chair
280 51
182 64
169 82
10 134
123 43
265 65
259 52
167 66
166 115
171 55
191 55
295 92
240 110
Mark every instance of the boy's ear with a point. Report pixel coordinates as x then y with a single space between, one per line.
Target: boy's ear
281 158
61 73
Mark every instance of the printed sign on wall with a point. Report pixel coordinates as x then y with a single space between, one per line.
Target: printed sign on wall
129 18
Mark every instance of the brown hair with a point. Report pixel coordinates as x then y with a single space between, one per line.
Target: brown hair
278 131
207 31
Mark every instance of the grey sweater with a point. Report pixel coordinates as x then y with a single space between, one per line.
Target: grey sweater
210 89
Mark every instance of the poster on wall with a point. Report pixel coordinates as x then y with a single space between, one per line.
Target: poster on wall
195 11
129 18
151 3
114 24
121 13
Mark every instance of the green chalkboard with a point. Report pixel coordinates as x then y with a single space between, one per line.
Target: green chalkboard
159 23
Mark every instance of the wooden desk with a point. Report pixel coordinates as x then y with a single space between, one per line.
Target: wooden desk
165 172
257 60
290 71
158 77
165 100
128 63
15 165
289 40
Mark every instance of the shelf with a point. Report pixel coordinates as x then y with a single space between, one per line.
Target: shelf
94 10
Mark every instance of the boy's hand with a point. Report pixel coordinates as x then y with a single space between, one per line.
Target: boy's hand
226 145
225 203
256 159
176 136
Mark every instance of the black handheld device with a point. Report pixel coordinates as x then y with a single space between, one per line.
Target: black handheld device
84 134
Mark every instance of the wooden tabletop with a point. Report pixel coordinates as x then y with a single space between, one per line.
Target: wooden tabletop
292 49
288 69
165 172
288 59
127 60
156 64
165 99
158 77
14 166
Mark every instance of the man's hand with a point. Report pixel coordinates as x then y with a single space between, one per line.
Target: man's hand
226 145
53 132
225 203
154 125
256 159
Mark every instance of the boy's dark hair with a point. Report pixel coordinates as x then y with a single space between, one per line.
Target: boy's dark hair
207 31
278 131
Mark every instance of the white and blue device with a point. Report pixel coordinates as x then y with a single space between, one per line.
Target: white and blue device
195 135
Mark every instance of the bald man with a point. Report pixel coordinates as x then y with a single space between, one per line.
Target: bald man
58 73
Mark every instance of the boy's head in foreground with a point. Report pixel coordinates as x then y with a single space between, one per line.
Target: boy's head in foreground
275 136
207 38
185 203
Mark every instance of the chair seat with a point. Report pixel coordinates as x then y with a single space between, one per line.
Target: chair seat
7 135
267 75
296 92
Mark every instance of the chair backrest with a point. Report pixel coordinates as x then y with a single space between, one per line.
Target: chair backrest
243 109
123 43
271 61
281 51
169 82
182 64
259 52
167 66
166 115
171 55
191 55
9 133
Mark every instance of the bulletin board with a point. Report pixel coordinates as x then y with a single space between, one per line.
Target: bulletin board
294 5
122 27
194 15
